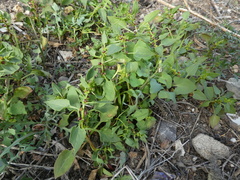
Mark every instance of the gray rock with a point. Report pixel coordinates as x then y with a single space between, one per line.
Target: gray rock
233 85
209 148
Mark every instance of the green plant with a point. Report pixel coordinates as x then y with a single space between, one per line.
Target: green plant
131 66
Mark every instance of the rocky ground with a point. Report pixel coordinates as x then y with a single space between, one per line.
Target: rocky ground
181 145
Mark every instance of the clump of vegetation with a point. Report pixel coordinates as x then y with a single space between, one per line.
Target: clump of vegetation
132 64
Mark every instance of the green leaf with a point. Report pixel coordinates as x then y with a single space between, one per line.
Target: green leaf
217 91
142 51
185 15
140 114
135 7
108 136
155 87
184 86
102 13
159 50
22 92
84 3
205 104
107 111
192 69
166 79
56 90
214 120
73 97
58 104
209 92
134 81
8 69
90 73
117 24
77 137
132 67
109 90
167 95
163 36
104 38
63 162
168 41
17 108
64 121
66 2
199 95
3 165
113 48
151 16
217 109
107 173
40 73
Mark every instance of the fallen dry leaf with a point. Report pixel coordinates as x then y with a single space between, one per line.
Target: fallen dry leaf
93 174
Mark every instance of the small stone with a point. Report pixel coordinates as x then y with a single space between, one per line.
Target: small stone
209 148
62 78
233 85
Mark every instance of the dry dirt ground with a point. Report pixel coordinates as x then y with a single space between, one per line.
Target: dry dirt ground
158 159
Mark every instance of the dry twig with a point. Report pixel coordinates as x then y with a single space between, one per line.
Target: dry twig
201 17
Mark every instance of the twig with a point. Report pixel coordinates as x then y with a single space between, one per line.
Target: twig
202 17
196 122
186 4
134 177
215 7
158 163
31 166
141 160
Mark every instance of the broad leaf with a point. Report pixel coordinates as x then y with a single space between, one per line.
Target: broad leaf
77 137
17 108
58 104
142 51
56 90
199 95
22 92
104 38
168 41
214 120
73 97
155 87
84 3
167 95
117 24
140 114
66 2
151 16
64 121
63 162
134 81
166 79
107 111
91 73
113 48
192 69
209 92
108 136
184 86
109 90
132 67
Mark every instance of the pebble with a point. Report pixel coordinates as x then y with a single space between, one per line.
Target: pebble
209 148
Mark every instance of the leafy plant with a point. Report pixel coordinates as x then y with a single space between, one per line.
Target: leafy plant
130 68
132 65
